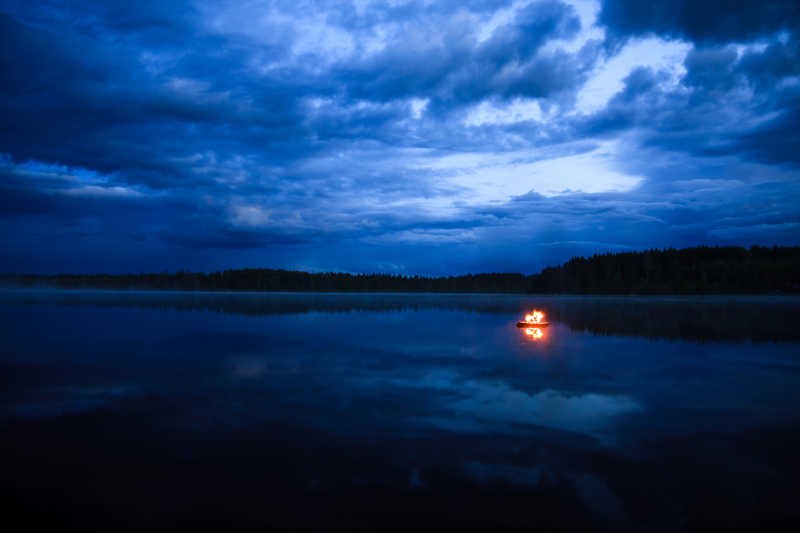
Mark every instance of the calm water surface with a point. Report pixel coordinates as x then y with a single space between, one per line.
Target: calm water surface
138 410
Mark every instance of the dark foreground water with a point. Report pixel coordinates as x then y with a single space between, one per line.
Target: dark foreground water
398 412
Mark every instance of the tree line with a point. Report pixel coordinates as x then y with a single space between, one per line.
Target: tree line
670 271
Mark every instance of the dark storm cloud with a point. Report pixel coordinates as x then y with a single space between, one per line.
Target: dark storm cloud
455 69
726 104
711 20
88 101
92 83
368 136
752 93
95 91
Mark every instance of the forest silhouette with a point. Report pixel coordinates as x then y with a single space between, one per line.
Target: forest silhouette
698 270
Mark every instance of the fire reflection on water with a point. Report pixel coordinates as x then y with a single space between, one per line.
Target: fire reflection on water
534 333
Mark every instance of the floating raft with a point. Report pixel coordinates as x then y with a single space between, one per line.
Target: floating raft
532 324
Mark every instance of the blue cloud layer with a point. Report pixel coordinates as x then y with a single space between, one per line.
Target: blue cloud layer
414 137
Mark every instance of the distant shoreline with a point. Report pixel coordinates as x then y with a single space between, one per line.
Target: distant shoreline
689 271
131 290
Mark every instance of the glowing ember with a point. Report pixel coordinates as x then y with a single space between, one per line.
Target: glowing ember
535 317
534 333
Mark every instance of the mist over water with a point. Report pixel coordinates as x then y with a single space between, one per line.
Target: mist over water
141 409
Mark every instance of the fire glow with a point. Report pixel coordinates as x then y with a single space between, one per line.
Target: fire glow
533 325
536 317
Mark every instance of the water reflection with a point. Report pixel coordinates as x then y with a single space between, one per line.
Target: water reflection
396 397
701 319
496 406
535 334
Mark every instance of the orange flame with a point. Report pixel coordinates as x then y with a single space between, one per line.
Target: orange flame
534 333
534 317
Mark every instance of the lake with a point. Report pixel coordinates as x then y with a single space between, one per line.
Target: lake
148 410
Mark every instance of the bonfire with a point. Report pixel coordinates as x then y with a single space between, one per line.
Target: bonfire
533 320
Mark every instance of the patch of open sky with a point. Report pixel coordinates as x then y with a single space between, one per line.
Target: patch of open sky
39 169
497 177
517 110
607 78
68 180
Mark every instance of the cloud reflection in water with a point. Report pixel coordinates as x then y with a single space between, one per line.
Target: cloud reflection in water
483 405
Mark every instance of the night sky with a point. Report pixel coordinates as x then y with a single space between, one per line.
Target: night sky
409 137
